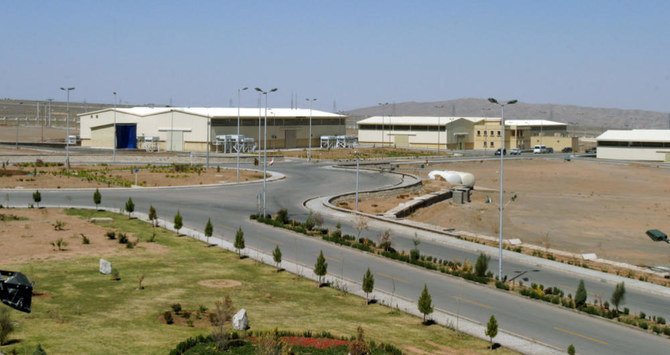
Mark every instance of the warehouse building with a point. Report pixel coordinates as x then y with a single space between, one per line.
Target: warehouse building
636 144
418 132
191 128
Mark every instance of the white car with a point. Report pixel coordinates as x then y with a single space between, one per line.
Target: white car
515 151
539 149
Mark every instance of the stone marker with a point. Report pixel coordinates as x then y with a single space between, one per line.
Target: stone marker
589 256
105 267
515 241
240 320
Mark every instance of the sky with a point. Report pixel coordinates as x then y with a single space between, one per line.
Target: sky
346 54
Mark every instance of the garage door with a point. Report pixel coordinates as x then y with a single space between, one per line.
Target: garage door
289 138
175 141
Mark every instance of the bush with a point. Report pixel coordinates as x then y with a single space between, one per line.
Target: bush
167 315
6 325
501 285
176 307
642 315
626 310
123 238
111 235
85 240
660 320
666 330
282 216
656 329
644 325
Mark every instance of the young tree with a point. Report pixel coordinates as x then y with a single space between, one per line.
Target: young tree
310 221
414 253
482 265
580 295
239 241
492 329
153 216
425 303
385 241
619 295
321 267
209 229
97 198
178 222
361 225
276 256
368 284
37 197
571 350
130 206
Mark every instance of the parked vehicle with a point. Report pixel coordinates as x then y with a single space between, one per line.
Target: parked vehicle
549 150
657 236
515 151
504 151
593 150
566 150
539 149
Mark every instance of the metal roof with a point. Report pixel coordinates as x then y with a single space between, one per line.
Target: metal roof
415 120
220 112
533 123
636 135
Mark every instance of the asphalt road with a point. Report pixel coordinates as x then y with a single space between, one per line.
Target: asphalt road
230 207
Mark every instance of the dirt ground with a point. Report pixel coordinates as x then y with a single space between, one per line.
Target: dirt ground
577 206
31 238
92 176
8 133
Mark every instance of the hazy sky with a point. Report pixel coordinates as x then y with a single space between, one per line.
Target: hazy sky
357 53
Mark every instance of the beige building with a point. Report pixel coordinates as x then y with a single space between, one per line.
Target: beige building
636 144
190 129
523 134
424 132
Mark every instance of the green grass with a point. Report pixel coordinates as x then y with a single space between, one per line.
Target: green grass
84 311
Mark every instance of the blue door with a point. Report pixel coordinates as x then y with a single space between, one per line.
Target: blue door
126 136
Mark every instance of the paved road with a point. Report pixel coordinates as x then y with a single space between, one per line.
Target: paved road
230 206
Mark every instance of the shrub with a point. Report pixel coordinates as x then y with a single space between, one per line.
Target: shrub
282 216
6 325
666 330
626 311
123 238
660 320
116 275
176 307
642 315
111 235
59 225
60 244
167 315
656 329
644 325
84 239
501 285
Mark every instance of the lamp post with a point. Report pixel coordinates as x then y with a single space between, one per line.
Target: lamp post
67 127
357 171
502 156
237 141
439 121
114 150
383 111
265 147
309 139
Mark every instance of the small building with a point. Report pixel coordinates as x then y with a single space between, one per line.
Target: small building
424 132
191 128
636 144
523 134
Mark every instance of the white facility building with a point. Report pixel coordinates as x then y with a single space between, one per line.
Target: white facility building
190 128
637 144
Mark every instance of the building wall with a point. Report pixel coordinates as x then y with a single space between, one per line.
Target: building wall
486 135
415 139
557 142
625 153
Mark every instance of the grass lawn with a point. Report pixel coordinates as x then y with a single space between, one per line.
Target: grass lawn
83 311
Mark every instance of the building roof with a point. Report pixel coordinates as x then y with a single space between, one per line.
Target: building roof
636 135
415 120
533 123
221 112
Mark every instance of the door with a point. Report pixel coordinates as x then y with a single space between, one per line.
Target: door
289 138
401 141
175 141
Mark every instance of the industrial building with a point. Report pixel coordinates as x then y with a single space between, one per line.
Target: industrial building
460 133
191 128
636 144
418 132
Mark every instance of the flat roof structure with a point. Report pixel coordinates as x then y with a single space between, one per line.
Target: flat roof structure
636 144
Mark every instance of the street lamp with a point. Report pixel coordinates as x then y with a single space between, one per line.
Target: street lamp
358 158
114 150
67 127
309 150
502 155
265 147
383 111
237 141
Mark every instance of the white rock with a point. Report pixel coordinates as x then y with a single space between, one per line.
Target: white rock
515 241
589 256
105 267
240 320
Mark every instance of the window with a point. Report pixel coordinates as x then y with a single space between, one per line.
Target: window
498 133
479 133
484 144
513 133
491 133
492 144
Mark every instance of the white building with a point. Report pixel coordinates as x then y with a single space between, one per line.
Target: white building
637 144
418 131
186 128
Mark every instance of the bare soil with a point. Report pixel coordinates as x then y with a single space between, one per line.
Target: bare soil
31 239
577 206
33 177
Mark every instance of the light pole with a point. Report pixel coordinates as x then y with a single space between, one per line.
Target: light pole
357 171
114 150
237 140
265 147
67 127
439 121
383 111
309 150
502 156
17 127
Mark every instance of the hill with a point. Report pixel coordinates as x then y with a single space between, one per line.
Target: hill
576 116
